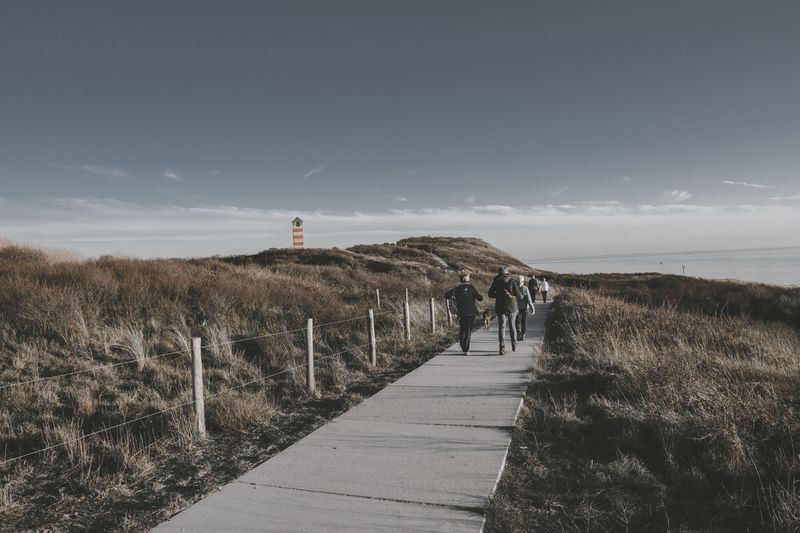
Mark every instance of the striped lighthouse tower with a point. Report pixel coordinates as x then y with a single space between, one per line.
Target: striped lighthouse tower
297 234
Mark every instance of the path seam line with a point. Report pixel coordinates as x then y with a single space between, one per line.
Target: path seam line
468 508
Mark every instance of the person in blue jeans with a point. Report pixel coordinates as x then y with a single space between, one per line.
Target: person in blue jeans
524 305
505 291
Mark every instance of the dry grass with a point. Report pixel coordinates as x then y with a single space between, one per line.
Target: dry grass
58 317
652 418
758 301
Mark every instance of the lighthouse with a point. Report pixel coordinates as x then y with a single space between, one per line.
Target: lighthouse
297 234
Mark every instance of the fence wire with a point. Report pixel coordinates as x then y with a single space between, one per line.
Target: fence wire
176 352
185 404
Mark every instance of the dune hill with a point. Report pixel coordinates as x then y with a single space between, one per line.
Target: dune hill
60 317
758 301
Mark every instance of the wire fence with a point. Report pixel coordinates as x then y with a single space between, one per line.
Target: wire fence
140 360
182 405
198 400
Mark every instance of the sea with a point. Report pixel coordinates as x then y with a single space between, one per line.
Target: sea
775 266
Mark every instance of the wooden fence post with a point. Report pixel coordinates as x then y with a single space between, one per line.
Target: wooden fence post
449 313
407 320
406 295
378 299
433 315
310 378
197 386
373 348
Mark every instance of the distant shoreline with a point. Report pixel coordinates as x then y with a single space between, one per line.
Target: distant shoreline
578 258
774 266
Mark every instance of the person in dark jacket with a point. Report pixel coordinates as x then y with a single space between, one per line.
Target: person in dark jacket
465 296
533 287
505 291
524 304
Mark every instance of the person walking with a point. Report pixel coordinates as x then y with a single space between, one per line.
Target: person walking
544 287
505 290
533 287
465 296
524 304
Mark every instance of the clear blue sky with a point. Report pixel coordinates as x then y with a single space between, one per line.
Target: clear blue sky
549 128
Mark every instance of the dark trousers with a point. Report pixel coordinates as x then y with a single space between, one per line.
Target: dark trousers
544 296
465 330
522 322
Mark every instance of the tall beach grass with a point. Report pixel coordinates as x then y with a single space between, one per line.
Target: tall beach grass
60 317
655 418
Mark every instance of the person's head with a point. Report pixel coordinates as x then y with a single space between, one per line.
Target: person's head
464 278
544 278
502 270
521 279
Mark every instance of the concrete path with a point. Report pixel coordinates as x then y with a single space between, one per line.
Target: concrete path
424 454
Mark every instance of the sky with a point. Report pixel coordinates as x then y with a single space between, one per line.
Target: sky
548 128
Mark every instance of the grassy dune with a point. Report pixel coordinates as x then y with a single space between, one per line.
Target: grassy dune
60 316
645 416
769 303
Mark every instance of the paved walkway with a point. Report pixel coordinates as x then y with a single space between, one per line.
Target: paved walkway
424 454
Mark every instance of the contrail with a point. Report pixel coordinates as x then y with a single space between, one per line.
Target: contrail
313 171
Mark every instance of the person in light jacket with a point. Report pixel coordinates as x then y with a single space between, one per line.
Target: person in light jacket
465 296
543 288
524 304
505 290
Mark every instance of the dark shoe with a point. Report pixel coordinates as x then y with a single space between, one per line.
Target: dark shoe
502 350
514 347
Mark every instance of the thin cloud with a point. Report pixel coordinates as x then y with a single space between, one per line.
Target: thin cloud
471 199
792 197
600 202
678 195
559 191
497 209
103 223
172 175
746 184
401 199
677 209
111 172
95 170
626 179
313 171
415 171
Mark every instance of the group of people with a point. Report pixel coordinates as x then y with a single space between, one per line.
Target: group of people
513 303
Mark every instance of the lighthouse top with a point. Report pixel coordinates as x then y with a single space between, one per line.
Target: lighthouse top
297 222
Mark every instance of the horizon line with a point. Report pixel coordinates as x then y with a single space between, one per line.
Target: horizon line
644 254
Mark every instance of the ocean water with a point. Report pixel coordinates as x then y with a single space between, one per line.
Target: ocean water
777 266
